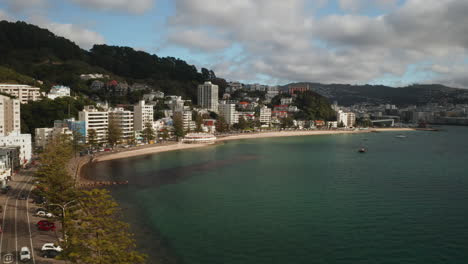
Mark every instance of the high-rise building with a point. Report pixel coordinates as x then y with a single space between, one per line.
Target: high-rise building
208 96
265 115
24 93
142 114
9 115
347 119
95 119
124 120
228 111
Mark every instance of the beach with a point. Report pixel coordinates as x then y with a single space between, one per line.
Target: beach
181 146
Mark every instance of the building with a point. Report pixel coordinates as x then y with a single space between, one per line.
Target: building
208 96
197 138
58 91
347 119
24 93
228 111
293 89
265 115
44 136
124 119
142 114
9 161
153 95
175 103
97 85
286 100
9 115
91 76
96 120
16 139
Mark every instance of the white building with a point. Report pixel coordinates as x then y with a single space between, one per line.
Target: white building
124 119
91 76
95 119
153 95
286 100
142 114
9 115
348 119
208 96
228 111
43 136
23 92
175 103
21 140
58 91
265 115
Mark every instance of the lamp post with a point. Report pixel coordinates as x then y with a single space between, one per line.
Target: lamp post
63 207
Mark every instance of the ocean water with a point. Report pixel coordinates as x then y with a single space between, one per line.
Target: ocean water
302 200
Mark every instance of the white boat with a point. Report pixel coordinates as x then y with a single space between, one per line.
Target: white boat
401 136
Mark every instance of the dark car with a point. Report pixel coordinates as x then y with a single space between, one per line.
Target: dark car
45 225
22 197
50 253
5 189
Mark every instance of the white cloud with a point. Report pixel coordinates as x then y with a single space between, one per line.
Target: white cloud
17 6
83 37
282 40
198 40
4 16
131 6
358 5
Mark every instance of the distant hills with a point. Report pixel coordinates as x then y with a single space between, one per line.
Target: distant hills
417 94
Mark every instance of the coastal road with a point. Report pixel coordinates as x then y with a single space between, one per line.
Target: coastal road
16 229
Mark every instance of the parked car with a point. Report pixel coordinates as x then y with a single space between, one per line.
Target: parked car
25 254
45 225
22 197
51 246
44 214
50 253
6 188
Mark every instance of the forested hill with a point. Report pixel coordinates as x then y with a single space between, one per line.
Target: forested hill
36 52
417 94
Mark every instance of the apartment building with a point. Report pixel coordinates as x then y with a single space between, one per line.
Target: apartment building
208 96
265 115
9 115
95 119
124 119
142 114
228 111
22 92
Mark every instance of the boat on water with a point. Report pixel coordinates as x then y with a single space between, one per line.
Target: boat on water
401 136
362 150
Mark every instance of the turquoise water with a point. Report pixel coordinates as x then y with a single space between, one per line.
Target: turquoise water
303 199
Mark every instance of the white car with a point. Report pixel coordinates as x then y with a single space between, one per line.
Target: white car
25 254
44 214
51 246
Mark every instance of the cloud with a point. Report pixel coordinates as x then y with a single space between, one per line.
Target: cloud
17 6
130 6
4 16
198 40
283 40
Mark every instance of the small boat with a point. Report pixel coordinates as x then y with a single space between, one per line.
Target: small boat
362 150
401 136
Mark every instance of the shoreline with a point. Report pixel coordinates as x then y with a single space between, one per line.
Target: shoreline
84 181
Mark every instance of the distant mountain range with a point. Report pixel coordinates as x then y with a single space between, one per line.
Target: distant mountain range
416 94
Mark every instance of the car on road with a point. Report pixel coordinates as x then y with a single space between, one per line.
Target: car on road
51 246
25 254
50 253
44 214
6 188
22 197
45 225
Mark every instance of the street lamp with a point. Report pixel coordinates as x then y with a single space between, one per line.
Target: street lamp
63 207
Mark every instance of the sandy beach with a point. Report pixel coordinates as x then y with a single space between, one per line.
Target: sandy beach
180 146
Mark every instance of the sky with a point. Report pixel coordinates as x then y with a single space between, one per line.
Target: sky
389 42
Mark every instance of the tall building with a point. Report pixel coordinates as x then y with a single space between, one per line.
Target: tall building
124 119
265 115
95 119
9 115
23 141
228 111
208 96
24 93
142 114
348 119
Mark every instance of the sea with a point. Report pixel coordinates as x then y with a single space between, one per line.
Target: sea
311 199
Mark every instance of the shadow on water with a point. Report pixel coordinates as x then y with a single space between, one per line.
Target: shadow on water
113 171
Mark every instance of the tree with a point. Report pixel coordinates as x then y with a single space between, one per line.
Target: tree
92 138
148 132
221 125
165 134
100 237
114 132
199 123
178 125
242 125
341 124
287 122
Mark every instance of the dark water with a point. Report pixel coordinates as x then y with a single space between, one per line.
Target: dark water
303 199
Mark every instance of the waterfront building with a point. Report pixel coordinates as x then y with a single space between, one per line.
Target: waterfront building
142 114
265 115
58 91
95 119
208 96
24 93
10 120
23 141
197 138
348 119
124 120
228 111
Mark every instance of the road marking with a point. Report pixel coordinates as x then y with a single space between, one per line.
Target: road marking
29 223
8 258
3 223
